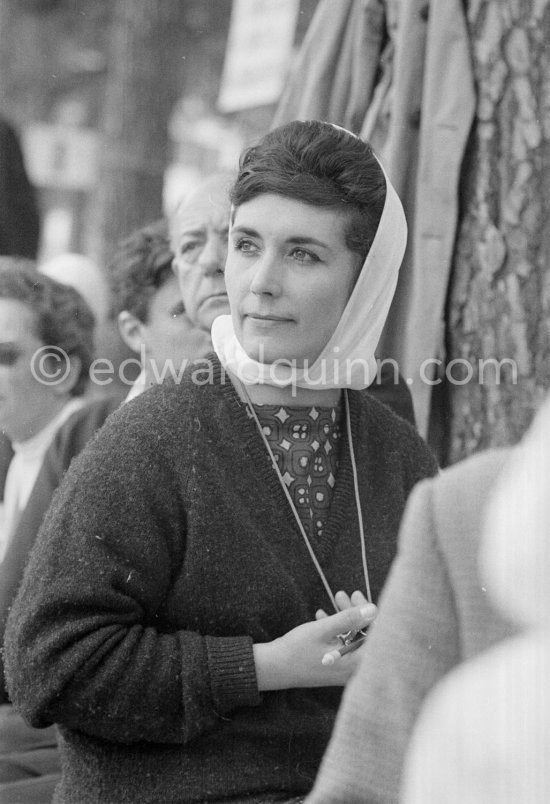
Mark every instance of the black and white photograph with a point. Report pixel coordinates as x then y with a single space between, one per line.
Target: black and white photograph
274 401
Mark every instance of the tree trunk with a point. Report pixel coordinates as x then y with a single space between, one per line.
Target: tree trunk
499 296
146 55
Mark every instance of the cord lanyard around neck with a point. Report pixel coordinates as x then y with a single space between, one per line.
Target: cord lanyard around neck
295 512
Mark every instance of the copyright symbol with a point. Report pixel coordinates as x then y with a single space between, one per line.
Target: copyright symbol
50 365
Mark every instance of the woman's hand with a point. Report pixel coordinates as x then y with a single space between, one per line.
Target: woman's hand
296 659
344 601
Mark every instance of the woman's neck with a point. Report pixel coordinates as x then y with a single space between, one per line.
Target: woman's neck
291 396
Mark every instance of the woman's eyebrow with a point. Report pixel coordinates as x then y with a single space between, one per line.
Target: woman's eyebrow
246 230
300 239
294 240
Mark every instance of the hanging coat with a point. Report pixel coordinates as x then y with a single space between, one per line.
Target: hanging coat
399 74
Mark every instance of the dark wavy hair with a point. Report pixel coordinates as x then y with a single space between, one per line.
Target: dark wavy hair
141 264
62 317
319 164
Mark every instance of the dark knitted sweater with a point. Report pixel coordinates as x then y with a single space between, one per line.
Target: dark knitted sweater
168 551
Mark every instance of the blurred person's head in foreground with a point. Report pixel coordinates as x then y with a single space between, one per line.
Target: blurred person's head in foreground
147 304
46 348
485 730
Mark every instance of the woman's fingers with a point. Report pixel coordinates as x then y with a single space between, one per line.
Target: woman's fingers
343 600
335 655
350 621
358 599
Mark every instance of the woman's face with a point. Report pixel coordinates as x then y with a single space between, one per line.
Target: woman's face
289 275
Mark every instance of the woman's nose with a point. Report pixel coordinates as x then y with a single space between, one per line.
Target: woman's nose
266 278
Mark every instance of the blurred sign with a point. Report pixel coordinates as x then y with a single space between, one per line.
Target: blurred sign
61 156
259 48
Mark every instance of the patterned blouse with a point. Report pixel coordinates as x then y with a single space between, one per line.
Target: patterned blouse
306 446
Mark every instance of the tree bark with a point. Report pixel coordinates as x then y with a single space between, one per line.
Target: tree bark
146 54
499 295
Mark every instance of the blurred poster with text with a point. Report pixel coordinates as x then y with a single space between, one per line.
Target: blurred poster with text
258 53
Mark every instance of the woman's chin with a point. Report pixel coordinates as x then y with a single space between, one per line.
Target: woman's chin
269 351
261 355
268 356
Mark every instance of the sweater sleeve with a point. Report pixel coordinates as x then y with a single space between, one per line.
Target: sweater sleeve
84 646
68 442
413 643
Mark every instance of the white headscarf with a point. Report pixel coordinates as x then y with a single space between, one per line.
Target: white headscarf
347 360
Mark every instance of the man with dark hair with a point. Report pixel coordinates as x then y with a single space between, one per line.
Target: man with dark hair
147 303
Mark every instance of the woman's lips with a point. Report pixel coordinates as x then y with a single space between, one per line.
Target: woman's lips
268 319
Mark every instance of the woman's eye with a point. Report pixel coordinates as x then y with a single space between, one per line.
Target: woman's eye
301 255
246 246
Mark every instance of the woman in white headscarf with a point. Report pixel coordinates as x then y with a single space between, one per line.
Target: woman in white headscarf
173 620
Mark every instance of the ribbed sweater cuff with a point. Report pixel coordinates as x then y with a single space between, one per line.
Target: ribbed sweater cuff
232 672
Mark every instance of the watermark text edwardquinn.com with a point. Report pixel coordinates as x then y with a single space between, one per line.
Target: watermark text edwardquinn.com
50 365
